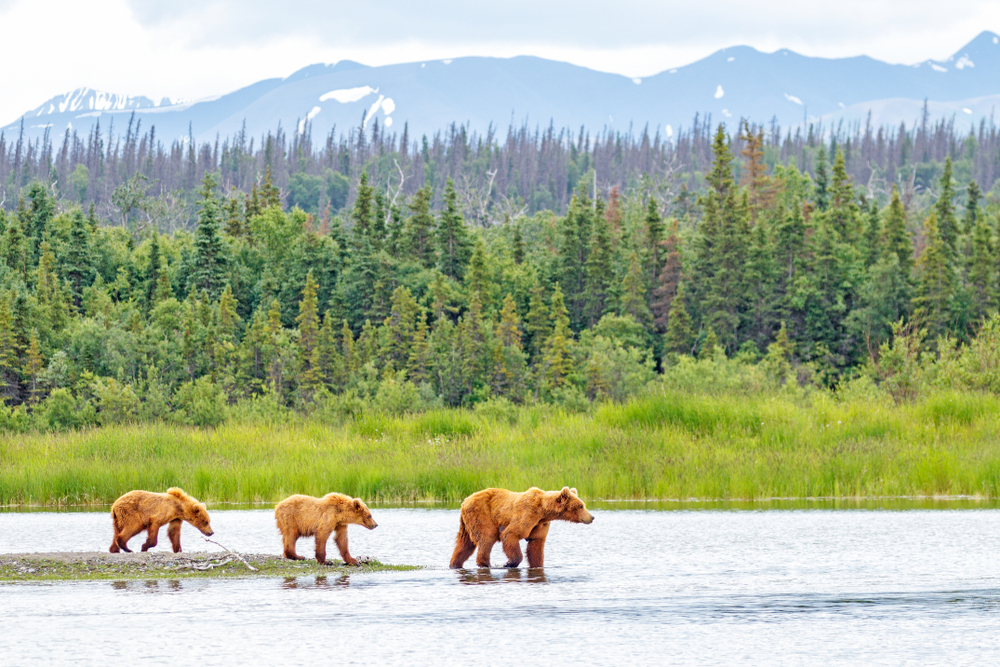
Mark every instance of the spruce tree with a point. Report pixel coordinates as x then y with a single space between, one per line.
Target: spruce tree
679 336
897 239
153 271
208 270
362 214
822 180
452 237
536 324
654 232
598 271
972 209
982 271
478 275
420 228
945 209
634 294
709 345
78 267
557 363
15 247
873 235
309 376
932 300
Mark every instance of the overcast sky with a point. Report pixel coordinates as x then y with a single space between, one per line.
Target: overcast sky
197 48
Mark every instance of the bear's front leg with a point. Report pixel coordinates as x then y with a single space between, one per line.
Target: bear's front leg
340 537
536 545
174 533
512 547
152 534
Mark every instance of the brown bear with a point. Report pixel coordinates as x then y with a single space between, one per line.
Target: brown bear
499 515
137 511
302 516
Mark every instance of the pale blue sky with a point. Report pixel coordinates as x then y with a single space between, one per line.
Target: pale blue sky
197 48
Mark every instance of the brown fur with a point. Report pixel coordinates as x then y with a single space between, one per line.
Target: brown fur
302 516
499 515
137 511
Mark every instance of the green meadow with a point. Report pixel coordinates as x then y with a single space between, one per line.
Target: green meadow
662 445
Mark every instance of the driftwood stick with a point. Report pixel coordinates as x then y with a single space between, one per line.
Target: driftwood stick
242 560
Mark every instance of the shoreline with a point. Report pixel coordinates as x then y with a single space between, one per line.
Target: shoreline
103 566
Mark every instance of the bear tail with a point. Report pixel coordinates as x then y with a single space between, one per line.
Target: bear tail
464 546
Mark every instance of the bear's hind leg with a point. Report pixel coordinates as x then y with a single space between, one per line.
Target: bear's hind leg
484 548
127 533
152 533
340 537
321 538
464 546
174 533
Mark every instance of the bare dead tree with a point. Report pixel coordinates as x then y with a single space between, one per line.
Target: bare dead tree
475 197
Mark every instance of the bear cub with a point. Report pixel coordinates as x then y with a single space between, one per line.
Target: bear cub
302 516
137 511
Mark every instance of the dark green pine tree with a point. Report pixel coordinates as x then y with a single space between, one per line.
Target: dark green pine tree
208 271
897 239
843 211
454 245
379 215
972 209
598 271
574 234
15 250
362 213
43 208
78 261
720 248
153 271
518 245
654 232
982 272
822 180
947 223
420 228
679 336
935 289
873 235
761 276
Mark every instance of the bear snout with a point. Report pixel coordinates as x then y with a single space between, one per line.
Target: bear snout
588 519
371 525
208 531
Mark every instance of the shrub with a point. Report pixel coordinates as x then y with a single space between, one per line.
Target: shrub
200 403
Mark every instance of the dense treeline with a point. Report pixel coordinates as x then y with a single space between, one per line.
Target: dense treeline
133 178
395 305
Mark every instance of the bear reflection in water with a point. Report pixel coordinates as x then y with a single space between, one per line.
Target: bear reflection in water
321 581
483 575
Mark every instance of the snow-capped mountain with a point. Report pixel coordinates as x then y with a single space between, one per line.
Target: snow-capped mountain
730 84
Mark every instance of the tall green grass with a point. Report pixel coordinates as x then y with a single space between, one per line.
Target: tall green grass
664 445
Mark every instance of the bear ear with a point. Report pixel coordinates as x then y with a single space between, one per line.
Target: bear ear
573 491
357 504
565 493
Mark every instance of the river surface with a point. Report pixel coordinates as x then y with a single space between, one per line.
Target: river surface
709 587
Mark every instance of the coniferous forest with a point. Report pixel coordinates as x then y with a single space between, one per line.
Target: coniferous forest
143 283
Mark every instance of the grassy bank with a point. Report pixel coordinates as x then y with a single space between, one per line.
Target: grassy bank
664 445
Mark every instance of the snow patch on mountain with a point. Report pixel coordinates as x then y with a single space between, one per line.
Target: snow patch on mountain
346 95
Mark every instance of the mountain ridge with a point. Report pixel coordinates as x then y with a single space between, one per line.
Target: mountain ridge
481 92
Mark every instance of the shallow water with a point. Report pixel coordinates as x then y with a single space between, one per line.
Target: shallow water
636 587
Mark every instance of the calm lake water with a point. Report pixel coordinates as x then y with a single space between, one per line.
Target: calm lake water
788 587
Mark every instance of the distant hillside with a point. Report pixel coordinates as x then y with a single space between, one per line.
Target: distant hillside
783 87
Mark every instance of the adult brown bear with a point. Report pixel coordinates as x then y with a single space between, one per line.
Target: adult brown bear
137 511
499 515
302 516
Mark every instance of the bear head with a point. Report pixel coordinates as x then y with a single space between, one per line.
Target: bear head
567 506
197 515
362 515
